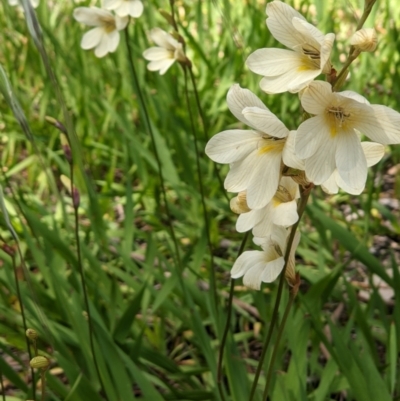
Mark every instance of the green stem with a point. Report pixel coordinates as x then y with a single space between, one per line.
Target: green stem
205 128
213 284
228 321
276 346
143 109
302 205
353 52
43 378
21 304
83 282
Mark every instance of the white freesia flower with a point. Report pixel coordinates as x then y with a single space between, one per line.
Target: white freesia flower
168 51
329 140
255 156
280 211
291 70
122 8
264 266
104 38
34 3
373 154
365 40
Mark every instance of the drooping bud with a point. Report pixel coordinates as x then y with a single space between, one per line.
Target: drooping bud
365 40
31 334
39 362
239 203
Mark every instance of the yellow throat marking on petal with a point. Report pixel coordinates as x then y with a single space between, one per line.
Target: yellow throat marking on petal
108 24
270 146
337 117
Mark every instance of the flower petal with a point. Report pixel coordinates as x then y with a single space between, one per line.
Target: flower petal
160 65
246 221
382 126
264 181
320 166
92 16
272 270
310 136
289 156
264 121
274 62
285 214
232 145
162 38
373 152
293 80
330 186
238 99
92 38
350 161
279 22
157 53
316 97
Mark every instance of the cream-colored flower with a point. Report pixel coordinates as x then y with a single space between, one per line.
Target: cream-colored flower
264 266
280 211
123 8
291 70
330 141
373 154
255 156
168 51
104 38
365 40
34 3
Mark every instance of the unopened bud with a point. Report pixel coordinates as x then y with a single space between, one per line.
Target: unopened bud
167 16
56 123
364 40
67 153
238 204
76 199
8 249
39 362
31 334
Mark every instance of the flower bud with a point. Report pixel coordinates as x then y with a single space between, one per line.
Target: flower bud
239 203
31 334
39 362
364 40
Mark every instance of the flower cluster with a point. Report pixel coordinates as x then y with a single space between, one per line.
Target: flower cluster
104 37
271 165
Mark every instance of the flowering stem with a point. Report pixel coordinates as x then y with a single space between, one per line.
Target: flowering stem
203 201
293 294
353 53
300 210
83 282
143 109
228 321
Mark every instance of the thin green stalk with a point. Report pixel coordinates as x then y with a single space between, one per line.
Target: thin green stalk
143 109
43 379
228 321
353 52
21 305
75 203
303 203
213 284
293 294
205 128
